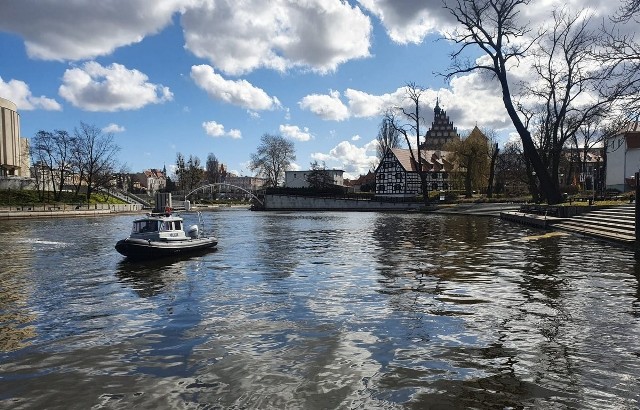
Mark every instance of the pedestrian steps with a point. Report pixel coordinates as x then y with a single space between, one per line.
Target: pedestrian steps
615 223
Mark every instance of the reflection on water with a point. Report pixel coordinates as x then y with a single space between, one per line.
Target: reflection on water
319 310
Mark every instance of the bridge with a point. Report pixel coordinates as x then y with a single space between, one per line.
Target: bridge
220 184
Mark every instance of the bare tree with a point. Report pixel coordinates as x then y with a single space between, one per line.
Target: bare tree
214 171
492 26
96 154
194 173
181 172
388 137
410 128
621 54
53 150
319 178
274 156
567 73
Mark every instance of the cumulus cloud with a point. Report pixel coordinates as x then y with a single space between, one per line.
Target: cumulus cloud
240 92
82 29
113 128
473 99
349 157
409 21
93 87
327 107
239 37
18 92
214 129
294 132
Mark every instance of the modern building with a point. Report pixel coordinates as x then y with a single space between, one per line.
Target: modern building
623 158
14 150
298 179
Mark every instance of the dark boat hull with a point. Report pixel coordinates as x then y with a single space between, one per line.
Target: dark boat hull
141 249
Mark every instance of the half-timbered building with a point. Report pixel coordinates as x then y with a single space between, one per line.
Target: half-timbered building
397 175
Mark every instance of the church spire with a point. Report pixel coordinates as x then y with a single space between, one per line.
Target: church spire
437 109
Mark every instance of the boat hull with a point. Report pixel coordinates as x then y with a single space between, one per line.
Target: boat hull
143 249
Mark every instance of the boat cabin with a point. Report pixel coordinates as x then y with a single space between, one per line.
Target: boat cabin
159 226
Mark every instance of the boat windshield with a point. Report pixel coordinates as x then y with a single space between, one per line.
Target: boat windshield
145 226
171 226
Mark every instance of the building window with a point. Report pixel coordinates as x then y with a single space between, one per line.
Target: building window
434 186
397 187
434 175
445 186
398 175
382 176
445 175
381 188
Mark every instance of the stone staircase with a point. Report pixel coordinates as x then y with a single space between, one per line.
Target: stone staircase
615 224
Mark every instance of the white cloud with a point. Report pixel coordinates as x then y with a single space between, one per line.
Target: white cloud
234 134
294 132
214 129
327 107
114 88
113 128
409 21
82 29
240 93
239 37
355 138
18 92
352 159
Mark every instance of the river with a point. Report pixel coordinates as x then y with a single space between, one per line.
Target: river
305 310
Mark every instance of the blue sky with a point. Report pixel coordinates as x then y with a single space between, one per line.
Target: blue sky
212 76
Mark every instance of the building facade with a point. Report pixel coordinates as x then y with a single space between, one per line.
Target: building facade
298 179
14 150
623 159
441 133
397 175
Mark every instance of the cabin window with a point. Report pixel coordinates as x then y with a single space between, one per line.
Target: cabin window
145 226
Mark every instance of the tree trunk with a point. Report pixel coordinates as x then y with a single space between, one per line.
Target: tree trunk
548 188
492 170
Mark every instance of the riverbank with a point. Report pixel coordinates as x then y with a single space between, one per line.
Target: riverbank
65 210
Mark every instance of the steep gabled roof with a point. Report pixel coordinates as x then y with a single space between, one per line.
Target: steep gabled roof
404 157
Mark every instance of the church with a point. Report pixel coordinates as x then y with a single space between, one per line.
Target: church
397 175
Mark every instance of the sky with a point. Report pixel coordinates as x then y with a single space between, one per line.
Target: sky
212 76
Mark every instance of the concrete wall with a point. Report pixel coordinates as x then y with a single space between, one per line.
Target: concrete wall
11 161
17 183
289 202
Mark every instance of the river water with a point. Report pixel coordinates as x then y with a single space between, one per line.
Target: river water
319 310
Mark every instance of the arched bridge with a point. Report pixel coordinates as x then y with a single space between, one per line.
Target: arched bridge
203 187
